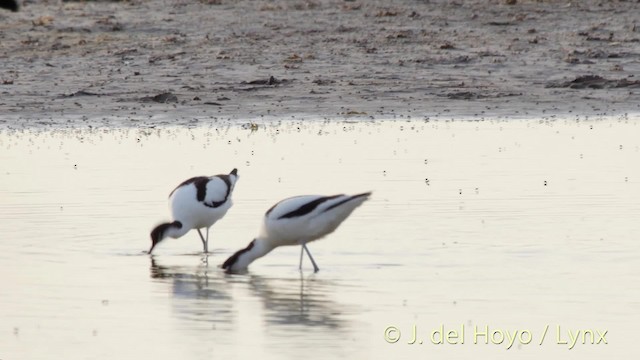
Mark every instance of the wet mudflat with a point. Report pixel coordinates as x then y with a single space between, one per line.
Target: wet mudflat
118 62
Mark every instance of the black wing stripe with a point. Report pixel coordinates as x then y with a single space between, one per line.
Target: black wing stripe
196 180
200 183
345 201
306 208
201 187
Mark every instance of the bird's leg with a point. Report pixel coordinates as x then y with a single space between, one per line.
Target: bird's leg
315 267
204 242
301 253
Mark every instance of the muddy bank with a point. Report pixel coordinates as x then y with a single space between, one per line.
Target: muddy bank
185 61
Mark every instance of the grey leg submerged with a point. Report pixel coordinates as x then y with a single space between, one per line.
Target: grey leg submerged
301 253
204 242
315 267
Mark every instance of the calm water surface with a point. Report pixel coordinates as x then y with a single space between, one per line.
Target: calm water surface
515 227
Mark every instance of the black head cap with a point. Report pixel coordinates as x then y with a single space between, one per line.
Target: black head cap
234 172
233 258
157 234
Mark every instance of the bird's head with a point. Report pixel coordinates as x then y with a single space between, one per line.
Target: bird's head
163 231
240 260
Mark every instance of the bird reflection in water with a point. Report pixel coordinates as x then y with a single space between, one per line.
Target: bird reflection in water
301 301
206 293
199 294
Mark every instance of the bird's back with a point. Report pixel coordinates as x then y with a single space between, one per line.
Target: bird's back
308 217
201 201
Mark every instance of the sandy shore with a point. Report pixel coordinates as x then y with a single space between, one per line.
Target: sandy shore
189 61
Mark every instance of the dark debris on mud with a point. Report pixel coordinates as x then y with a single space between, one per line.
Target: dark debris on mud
595 82
472 95
162 98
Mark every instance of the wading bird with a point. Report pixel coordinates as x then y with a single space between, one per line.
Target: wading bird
195 204
296 221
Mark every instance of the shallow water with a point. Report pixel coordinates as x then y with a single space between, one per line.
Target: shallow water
510 225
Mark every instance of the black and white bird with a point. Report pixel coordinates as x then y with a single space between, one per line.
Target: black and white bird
195 204
296 221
